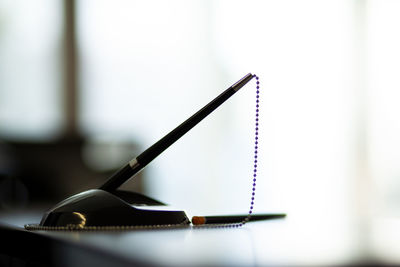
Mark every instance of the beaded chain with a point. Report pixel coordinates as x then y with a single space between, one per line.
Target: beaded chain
186 223
254 177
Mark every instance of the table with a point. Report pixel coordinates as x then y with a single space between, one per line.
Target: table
297 240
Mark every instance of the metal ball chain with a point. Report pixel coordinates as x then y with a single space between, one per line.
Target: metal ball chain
185 224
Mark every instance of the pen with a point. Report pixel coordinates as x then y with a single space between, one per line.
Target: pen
138 163
201 220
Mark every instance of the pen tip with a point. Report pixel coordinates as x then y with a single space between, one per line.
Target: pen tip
198 220
239 84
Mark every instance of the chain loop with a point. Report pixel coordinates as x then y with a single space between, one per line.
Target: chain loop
186 223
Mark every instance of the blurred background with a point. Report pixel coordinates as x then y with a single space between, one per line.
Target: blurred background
87 85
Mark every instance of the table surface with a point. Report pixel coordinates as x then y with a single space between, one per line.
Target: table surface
294 240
